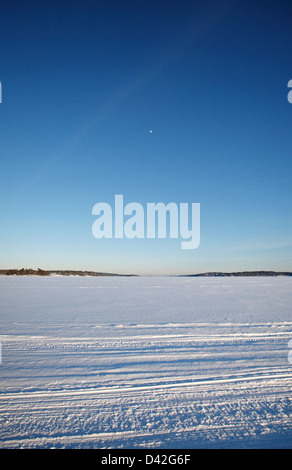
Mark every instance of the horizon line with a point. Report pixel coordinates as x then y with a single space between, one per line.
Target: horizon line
78 272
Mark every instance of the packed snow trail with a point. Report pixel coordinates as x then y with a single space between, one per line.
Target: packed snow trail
145 362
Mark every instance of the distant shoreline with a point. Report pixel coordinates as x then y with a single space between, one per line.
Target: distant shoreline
240 273
58 272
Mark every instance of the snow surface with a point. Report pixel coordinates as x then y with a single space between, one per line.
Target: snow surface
144 362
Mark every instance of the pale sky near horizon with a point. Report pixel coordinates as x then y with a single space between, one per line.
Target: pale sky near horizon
166 101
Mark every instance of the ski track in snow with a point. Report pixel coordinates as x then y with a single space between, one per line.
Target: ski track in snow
145 362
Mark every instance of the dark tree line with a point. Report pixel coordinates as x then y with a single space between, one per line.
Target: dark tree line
24 272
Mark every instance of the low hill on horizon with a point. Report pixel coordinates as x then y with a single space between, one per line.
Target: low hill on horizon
59 272
240 273
69 272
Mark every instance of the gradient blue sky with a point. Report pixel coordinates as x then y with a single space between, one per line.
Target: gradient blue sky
83 82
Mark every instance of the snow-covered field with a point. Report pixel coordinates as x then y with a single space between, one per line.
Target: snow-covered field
116 362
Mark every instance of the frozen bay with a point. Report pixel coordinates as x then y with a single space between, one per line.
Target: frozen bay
145 362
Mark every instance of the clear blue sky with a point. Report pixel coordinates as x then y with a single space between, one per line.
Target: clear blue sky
83 82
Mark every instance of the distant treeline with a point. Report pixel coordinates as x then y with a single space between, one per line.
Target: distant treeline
241 273
42 272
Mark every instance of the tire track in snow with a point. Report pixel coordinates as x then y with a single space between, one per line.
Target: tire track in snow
138 388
